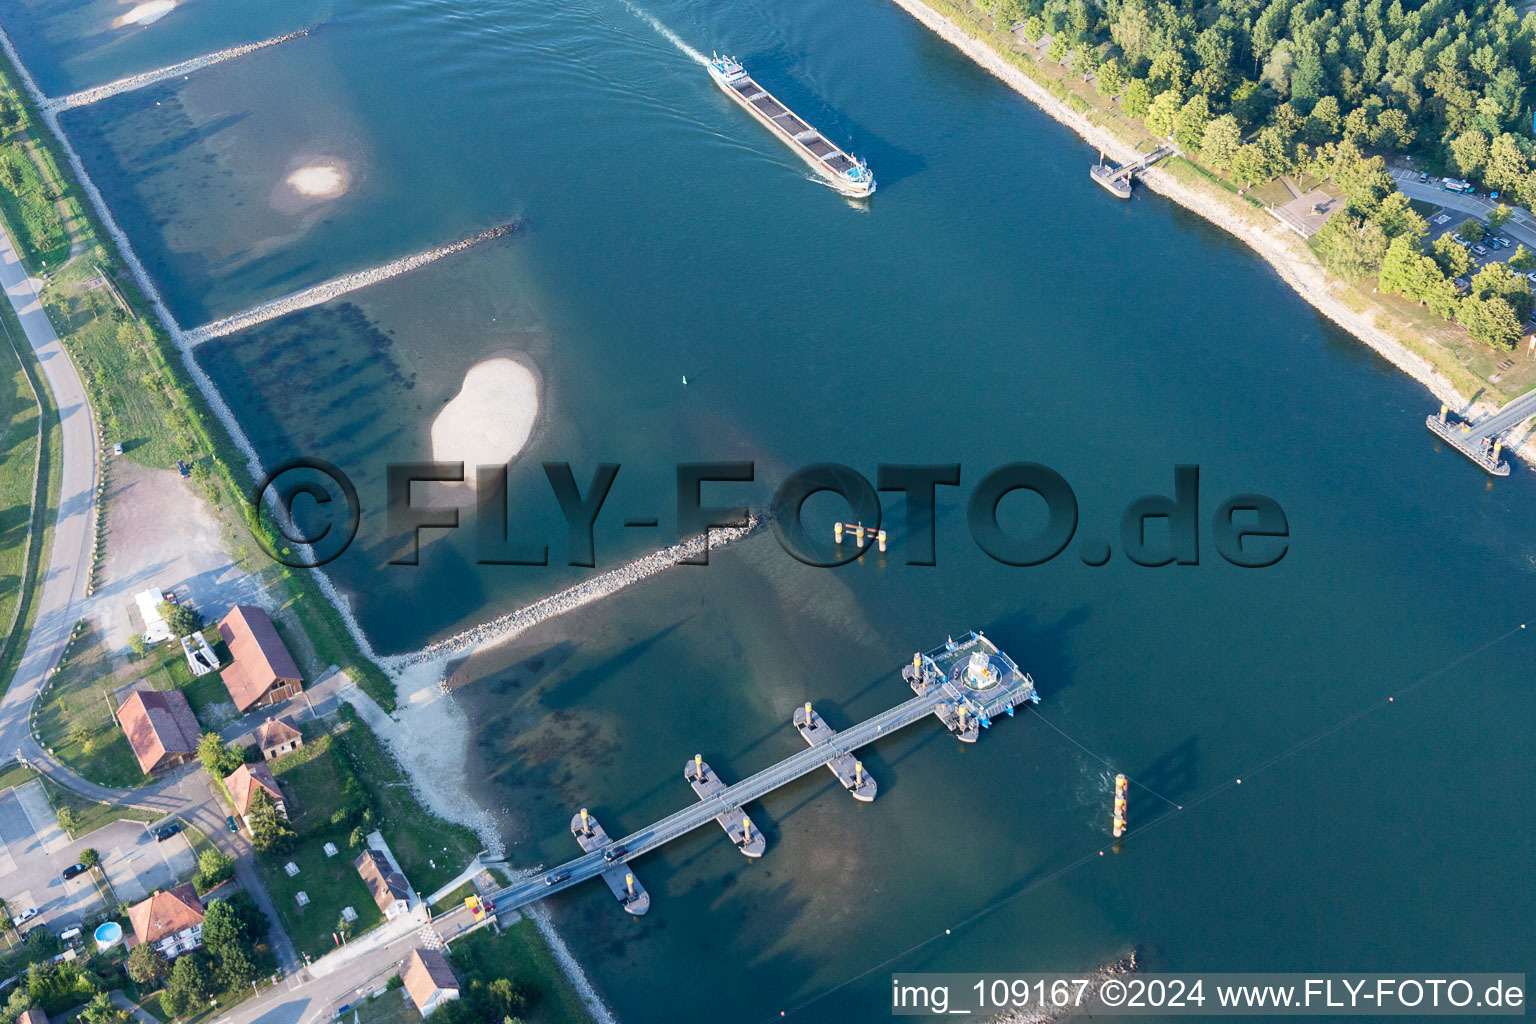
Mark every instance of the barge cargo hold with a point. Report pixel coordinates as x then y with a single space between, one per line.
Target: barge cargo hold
848 175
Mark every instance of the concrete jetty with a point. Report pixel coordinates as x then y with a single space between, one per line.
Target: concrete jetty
971 674
738 827
626 888
95 94
849 771
335 288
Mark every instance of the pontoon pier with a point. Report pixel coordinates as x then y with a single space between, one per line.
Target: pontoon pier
1480 440
1117 178
965 684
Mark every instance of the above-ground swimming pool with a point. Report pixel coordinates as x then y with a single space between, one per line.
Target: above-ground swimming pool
108 934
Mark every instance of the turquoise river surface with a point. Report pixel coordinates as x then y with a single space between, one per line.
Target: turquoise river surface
990 304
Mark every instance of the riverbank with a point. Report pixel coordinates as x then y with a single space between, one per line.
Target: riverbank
328 624
1282 250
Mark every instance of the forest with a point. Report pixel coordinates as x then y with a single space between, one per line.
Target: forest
1254 89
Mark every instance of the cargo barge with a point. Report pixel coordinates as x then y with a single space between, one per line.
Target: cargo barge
848 175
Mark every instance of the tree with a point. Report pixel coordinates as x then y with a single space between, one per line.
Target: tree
1472 230
1221 141
1110 78
179 619
1162 112
236 968
214 867
68 819
1523 260
138 645
1350 248
1399 219
82 736
217 758
1499 216
101 1010
1490 321
1324 122
1278 68
145 964
90 857
1189 125
1249 167
1248 103
234 922
1508 163
270 831
1498 280
19 1002
1452 258
1365 181
1135 98
187 988
1392 129
1469 152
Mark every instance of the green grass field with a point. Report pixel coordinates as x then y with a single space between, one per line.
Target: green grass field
28 202
520 954
25 590
430 851
89 815
20 414
331 884
75 721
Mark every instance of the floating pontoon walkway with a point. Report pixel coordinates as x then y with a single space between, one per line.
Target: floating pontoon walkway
1117 178
965 684
1479 440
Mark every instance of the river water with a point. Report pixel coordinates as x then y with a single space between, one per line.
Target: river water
989 305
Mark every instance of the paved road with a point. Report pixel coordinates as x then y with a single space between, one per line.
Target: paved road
1521 226
185 792
752 788
61 600
303 999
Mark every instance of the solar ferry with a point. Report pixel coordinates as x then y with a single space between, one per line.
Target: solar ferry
850 176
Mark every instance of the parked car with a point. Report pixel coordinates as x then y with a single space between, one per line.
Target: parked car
72 871
162 834
1531 277
230 821
117 449
1423 176
23 917
1478 250
1499 240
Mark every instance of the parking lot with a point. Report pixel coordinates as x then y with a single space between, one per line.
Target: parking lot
34 851
34 854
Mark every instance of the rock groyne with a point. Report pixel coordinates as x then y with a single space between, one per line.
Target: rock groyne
505 627
100 92
334 288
